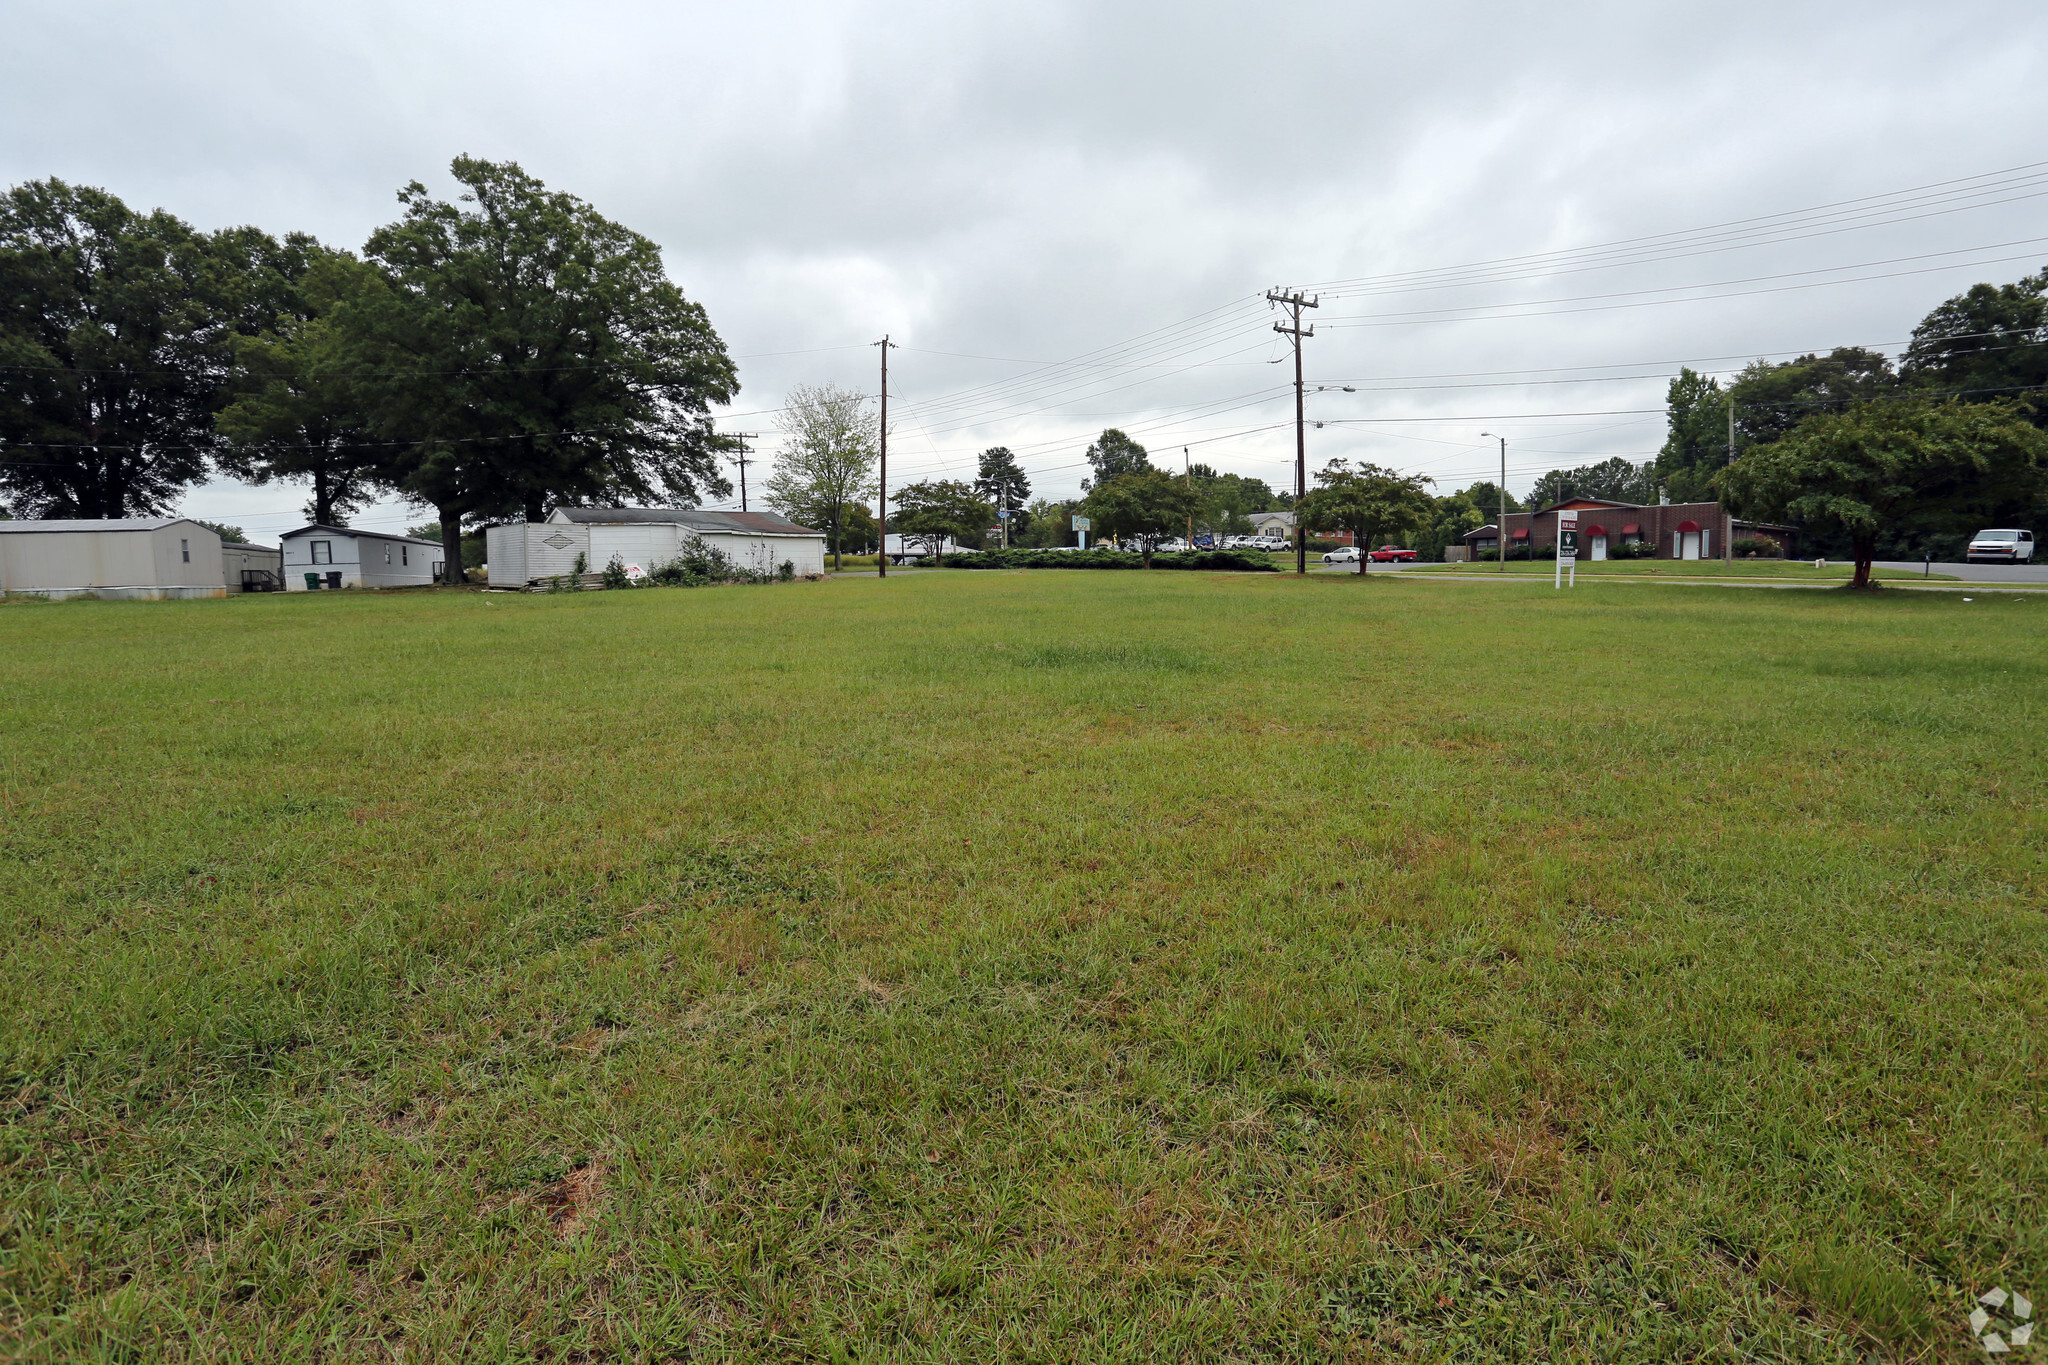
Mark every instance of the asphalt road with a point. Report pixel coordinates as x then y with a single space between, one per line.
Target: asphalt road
1980 573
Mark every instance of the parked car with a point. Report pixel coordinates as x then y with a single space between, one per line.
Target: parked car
1390 554
1277 545
2001 547
1343 554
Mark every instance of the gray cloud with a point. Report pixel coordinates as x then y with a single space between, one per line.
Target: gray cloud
1036 183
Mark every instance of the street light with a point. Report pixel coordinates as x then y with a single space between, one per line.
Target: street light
1500 538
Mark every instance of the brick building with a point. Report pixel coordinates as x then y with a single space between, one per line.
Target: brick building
1679 530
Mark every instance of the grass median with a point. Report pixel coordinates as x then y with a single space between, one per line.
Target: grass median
1033 966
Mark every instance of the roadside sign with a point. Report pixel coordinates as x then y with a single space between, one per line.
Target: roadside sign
1567 549
1081 524
1002 514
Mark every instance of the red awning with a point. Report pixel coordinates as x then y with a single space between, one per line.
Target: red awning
1632 529
1685 526
1521 535
1596 529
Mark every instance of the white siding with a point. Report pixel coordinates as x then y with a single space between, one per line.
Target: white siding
179 560
235 557
300 560
520 553
766 554
644 543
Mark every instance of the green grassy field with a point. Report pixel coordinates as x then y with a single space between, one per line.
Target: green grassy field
1048 967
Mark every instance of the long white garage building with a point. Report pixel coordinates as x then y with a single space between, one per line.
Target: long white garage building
521 552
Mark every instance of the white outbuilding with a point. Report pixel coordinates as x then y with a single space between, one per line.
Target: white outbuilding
343 557
137 557
642 538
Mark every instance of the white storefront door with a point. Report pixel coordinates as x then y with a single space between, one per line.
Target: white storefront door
1688 544
1599 547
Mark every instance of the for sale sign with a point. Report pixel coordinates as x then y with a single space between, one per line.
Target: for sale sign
1567 548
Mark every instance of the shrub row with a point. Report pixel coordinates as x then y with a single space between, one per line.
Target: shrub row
1233 561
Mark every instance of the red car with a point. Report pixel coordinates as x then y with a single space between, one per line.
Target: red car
1389 554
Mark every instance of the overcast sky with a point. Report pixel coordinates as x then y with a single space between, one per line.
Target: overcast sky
1006 189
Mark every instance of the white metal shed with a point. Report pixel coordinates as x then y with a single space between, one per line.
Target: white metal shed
522 552
136 557
343 557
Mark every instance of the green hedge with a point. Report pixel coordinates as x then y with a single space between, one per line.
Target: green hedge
1235 561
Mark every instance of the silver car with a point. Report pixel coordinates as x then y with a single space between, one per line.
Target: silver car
2001 547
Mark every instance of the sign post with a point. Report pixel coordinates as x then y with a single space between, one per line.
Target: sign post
1081 530
1567 549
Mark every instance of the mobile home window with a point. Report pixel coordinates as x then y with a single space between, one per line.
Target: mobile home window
404 555
185 550
387 554
323 552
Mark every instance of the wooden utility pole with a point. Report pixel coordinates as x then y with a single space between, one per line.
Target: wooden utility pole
742 460
1296 302
1727 517
882 508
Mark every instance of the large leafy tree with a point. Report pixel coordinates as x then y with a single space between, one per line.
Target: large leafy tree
1617 480
1772 399
937 510
1367 500
1874 465
1113 454
1230 499
299 408
1989 341
826 467
1698 441
1468 509
530 351
114 352
1048 524
1146 505
1001 481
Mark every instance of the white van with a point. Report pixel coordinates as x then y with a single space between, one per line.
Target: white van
2001 547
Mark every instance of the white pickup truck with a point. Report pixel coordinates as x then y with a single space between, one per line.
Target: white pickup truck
2001 547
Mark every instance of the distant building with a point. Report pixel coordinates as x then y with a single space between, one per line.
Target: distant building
137 557
642 538
1679 530
251 568
1280 525
325 557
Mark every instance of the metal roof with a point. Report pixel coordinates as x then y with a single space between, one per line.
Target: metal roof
110 524
759 523
318 529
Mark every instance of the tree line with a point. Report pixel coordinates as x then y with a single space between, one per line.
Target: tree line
491 357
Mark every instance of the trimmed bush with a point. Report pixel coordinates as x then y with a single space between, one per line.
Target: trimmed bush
1759 547
1631 549
1229 561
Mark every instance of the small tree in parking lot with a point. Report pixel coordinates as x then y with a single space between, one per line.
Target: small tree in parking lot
1145 505
1368 501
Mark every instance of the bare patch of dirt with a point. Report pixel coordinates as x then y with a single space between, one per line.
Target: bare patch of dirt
570 1201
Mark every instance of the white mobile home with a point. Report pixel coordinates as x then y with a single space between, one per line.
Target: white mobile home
141 557
251 568
323 557
644 537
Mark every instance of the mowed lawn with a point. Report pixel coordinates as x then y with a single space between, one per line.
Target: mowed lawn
1014 966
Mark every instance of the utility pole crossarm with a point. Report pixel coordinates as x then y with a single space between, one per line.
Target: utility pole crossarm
743 460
